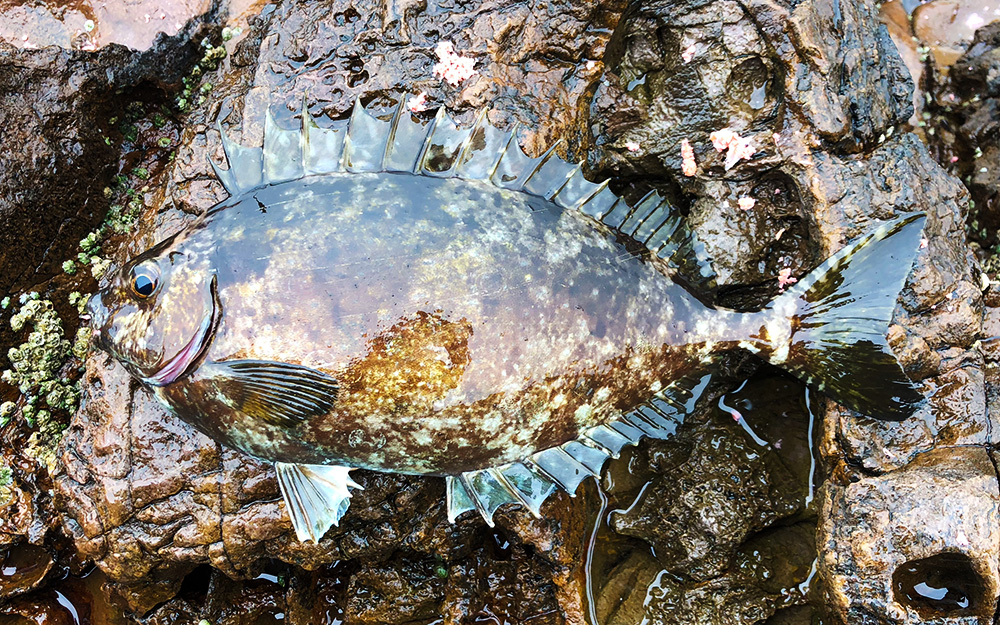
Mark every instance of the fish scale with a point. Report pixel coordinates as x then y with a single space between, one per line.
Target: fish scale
425 298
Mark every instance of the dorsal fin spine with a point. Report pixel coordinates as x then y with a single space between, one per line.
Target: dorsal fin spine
537 468
638 214
419 164
306 122
226 176
514 492
647 240
397 115
511 134
641 421
601 186
467 144
568 457
599 446
538 164
560 185
345 156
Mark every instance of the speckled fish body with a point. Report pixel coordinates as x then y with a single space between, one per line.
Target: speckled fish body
467 326
456 310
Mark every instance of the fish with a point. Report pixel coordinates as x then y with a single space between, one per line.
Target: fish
418 297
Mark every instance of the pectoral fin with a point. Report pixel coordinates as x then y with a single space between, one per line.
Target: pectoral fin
275 392
316 496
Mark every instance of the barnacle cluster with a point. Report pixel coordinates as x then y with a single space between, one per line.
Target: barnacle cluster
6 481
195 92
35 364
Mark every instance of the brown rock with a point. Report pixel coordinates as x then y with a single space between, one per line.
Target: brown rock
55 161
934 522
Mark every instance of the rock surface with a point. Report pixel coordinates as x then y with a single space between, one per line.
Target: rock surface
56 128
934 522
90 25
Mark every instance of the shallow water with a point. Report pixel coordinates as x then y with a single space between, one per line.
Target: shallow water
626 581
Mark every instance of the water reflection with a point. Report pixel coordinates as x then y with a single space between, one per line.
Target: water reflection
774 569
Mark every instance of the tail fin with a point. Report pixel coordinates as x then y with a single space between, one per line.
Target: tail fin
840 314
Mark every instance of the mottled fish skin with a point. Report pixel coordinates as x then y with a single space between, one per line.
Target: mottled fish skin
467 325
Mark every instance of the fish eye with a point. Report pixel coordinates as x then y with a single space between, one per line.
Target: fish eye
145 280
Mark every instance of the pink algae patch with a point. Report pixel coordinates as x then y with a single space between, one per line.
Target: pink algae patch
737 148
689 52
632 146
688 164
785 279
746 203
417 103
452 67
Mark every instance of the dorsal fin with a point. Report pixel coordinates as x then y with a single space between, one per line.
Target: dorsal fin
533 480
441 148
365 142
322 148
245 165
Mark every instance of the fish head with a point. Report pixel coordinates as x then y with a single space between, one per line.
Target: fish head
157 315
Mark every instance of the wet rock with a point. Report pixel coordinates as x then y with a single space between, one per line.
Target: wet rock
947 27
622 600
916 544
91 25
896 17
683 70
771 73
977 134
829 166
770 571
57 159
715 485
24 567
783 558
975 71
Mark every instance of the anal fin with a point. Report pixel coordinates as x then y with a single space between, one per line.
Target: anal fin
316 496
564 467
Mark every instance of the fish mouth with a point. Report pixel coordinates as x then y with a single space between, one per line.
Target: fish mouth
191 354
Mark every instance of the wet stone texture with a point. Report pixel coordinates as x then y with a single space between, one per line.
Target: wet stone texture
934 525
820 92
718 525
55 161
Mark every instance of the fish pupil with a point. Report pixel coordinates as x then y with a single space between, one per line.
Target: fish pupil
143 285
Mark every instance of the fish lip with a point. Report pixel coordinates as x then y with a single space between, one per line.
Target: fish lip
189 355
